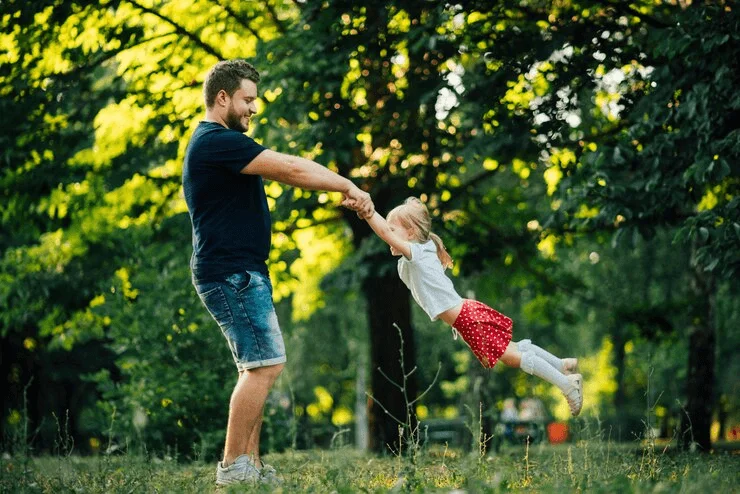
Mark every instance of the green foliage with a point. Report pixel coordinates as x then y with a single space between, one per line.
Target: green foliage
673 157
536 132
165 347
326 354
591 465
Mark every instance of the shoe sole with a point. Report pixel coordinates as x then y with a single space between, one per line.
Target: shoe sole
578 382
232 482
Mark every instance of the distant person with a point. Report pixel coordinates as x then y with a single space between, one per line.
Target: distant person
487 332
532 410
525 411
509 413
222 181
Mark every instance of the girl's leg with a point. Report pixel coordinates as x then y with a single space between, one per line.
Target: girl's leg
564 365
512 357
531 363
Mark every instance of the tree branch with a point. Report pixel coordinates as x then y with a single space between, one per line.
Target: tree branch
273 14
105 57
180 30
238 18
400 388
385 409
418 398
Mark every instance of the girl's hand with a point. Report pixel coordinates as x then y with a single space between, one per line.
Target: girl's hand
352 204
360 200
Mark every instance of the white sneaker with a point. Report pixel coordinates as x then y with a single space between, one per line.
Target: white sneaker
575 395
570 366
242 470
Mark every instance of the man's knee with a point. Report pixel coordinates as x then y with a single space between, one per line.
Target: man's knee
276 370
270 373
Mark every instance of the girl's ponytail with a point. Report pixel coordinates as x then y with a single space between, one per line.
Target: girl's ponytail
444 256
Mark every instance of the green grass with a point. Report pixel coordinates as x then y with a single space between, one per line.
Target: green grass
588 466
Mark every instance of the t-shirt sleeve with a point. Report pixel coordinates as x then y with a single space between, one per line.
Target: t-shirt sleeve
233 150
416 250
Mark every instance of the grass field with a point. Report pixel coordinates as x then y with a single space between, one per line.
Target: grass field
586 466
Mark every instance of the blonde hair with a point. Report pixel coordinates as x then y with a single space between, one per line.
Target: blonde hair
414 215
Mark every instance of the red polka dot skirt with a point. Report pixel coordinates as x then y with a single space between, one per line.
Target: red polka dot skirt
486 331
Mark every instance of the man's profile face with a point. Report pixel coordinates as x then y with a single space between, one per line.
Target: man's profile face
242 106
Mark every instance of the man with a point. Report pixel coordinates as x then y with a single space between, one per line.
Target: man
222 181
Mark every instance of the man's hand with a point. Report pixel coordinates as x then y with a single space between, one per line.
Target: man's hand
360 201
352 204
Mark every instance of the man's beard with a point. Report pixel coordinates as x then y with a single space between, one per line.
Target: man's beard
234 122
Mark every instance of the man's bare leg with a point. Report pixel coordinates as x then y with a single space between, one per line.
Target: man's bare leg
253 445
245 411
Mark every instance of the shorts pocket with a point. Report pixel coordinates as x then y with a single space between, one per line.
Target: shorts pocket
238 282
215 302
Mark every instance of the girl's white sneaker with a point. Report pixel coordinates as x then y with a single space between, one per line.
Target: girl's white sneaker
575 395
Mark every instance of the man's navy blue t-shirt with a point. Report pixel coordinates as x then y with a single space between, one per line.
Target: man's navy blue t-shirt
228 209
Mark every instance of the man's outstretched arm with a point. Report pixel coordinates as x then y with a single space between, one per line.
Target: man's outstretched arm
307 174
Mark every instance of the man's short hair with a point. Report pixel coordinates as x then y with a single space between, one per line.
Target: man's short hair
227 75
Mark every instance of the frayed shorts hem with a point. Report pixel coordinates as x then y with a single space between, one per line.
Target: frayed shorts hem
242 306
242 366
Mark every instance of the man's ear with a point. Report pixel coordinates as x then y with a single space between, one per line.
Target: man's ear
221 97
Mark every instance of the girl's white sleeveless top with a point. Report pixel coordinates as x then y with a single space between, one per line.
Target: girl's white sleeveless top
424 276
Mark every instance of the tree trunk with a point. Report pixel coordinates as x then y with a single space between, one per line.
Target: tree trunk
697 421
619 398
361 427
723 414
388 303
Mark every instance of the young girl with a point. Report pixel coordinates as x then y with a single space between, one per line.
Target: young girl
487 332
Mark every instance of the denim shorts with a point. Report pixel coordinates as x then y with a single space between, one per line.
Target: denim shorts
242 306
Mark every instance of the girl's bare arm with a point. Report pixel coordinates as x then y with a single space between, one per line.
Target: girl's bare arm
381 227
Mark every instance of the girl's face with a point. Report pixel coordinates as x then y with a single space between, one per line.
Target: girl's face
400 230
